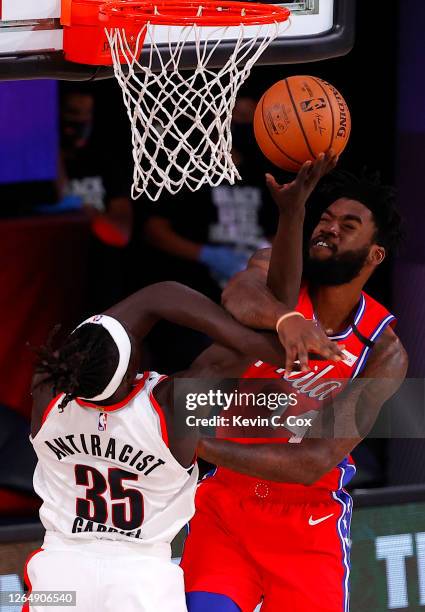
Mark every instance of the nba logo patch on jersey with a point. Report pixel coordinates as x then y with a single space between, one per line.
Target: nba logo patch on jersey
349 358
103 417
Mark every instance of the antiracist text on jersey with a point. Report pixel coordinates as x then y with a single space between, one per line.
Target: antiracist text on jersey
109 449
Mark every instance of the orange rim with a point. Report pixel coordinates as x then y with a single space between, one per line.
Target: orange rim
119 13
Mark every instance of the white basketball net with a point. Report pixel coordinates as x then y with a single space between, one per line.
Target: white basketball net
180 121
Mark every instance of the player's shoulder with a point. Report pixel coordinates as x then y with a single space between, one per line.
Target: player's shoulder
389 344
388 356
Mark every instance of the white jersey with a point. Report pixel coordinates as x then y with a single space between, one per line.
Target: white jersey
107 472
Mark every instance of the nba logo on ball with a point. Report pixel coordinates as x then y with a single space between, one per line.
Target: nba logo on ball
318 119
103 417
315 104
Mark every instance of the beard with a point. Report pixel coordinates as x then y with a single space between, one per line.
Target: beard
336 270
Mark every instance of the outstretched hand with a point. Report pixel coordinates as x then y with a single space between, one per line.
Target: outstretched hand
301 336
293 196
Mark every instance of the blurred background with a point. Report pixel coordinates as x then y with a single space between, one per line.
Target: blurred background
72 242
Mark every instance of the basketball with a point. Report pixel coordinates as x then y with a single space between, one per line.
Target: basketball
298 118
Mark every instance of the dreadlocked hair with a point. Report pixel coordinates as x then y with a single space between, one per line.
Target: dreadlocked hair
84 364
378 198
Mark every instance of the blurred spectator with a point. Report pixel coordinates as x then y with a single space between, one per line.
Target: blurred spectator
203 238
90 170
95 173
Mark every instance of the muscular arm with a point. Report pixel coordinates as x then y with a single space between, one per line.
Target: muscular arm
285 269
248 298
308 461
184 306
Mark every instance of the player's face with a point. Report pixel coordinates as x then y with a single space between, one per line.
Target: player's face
346 225
342 244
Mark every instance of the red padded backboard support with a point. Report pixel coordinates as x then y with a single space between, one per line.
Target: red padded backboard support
84 39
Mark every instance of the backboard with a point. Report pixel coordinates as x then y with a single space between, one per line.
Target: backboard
31 38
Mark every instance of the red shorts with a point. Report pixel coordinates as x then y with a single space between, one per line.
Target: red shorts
285 545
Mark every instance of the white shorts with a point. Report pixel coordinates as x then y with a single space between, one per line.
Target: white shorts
107 575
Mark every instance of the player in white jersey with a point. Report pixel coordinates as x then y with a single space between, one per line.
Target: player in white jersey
116 476
114 497
117 483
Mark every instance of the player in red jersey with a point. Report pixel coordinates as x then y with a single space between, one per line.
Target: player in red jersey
272 523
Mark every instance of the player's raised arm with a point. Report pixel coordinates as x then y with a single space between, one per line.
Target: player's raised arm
265 295
308 461
100 364
286 261
181 305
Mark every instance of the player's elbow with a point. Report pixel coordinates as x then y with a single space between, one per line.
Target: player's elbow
237 302
230 292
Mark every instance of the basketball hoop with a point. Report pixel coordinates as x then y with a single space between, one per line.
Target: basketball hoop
180 123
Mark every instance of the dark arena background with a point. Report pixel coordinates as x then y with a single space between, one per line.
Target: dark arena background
59 265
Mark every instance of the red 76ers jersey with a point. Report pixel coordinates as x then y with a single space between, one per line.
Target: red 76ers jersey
326 378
